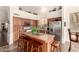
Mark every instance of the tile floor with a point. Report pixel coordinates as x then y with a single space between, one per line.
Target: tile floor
74 47
12 48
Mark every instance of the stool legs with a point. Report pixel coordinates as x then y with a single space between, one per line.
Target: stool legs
53 47
57 49
20 47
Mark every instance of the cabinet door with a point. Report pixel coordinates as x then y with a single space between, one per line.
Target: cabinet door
34 22
16 28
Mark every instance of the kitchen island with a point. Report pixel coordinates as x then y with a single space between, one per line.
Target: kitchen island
45 39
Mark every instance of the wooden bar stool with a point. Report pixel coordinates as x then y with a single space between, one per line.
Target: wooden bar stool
23 43
36 46
55 45
26 44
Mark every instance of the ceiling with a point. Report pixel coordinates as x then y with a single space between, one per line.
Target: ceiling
36 9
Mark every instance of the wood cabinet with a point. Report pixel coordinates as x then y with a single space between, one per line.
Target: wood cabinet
16 28
18 24
34 22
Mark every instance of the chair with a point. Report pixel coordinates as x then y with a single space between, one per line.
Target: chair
73 38
55 45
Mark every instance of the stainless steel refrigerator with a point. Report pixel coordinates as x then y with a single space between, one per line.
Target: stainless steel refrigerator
55 28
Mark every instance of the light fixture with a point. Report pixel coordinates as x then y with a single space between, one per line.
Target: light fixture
20 8
43 9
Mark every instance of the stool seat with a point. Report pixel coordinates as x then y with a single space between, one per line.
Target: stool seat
56 45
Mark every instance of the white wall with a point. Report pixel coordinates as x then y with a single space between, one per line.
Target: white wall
67 10
4 16
55 14
11 24
8 24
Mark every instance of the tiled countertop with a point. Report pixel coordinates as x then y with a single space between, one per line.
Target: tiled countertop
41 36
